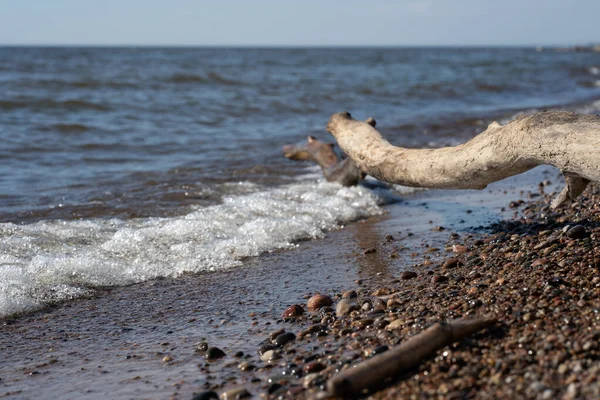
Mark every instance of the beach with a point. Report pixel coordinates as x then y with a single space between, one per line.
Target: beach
510 258
155 243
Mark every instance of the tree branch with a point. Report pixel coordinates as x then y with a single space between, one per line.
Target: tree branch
566 140
409 354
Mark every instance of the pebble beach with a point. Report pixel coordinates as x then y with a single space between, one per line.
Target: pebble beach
272 333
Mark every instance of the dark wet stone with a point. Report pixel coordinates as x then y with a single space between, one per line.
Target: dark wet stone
263 348
375 312
273 387
556 281
379 304
293 311
284 338
350 294
214 353
314 366
203 346
239 354
310 358
408 275
239 393
452 263
381 323
378 350
278 332
318 301
370 250
439 279
577 232
389 238
205 396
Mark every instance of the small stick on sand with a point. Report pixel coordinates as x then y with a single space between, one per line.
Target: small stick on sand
375 371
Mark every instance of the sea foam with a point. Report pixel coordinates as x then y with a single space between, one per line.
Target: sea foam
56 260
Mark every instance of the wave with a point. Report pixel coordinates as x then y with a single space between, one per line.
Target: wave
49 261
185 78
69 128
70 105
211 77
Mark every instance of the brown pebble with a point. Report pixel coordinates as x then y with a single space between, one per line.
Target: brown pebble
459 248
345 307
382 291
576 232
439 279
370 250
350 294
452 263
293 311
318 301
408 275
314 366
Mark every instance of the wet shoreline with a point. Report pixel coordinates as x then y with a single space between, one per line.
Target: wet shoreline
141 341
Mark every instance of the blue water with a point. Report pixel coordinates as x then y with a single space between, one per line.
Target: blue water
122 165
130 132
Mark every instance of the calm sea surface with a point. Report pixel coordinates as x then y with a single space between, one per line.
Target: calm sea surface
119 165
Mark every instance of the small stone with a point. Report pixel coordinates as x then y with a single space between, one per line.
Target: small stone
389 238
246 366
205 396
452 263
273 387
284 338
239 354
459 248
273 335
350 294
234 394
293 312
376 350
395 324
363 323
203 346
439 279
318 301
382 292
577 232
263 348
270 355
408 275
214 353
370 250
345 307
314 366
167 359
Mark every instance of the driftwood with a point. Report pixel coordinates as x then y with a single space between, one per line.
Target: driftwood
376 370
344 172
566 140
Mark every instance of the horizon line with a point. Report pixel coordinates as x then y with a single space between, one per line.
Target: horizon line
289 45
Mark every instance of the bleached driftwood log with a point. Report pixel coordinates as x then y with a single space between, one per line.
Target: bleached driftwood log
344 172
407 355
566 140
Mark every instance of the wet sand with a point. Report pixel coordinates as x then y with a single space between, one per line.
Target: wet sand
142 341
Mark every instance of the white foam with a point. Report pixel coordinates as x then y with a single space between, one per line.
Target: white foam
56 260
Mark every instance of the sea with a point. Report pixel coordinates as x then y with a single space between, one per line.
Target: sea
122 165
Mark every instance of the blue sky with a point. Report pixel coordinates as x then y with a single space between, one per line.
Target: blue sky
299 22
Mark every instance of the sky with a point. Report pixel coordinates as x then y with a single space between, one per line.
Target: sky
299 22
